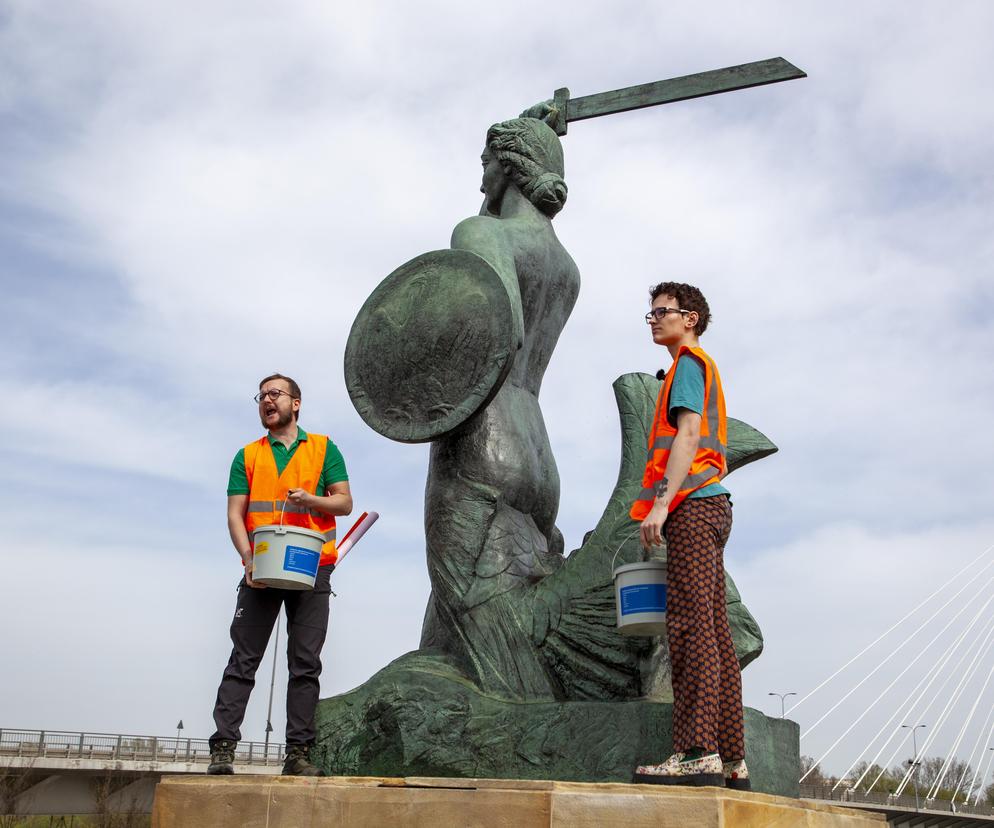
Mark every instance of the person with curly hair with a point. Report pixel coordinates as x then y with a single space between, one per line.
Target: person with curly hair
683 499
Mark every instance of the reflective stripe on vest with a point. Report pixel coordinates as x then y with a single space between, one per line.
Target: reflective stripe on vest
283 506
268 489
709 461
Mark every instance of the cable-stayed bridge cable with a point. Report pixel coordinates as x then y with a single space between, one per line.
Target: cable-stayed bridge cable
947 709
961 734
983 776
908 703
937 725
935 672
891 655
973 753
893 627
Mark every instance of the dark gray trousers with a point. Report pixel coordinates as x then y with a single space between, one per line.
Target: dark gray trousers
307 625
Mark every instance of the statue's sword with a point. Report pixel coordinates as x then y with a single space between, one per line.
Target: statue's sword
566 109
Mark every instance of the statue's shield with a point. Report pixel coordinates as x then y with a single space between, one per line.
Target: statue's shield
430 346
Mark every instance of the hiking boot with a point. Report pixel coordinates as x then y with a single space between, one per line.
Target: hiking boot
222 757
681 770
736 775
298 762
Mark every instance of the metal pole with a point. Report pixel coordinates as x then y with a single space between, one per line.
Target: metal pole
914 762
782 697
272 684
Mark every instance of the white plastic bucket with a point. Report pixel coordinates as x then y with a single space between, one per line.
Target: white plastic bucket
286 556
640 598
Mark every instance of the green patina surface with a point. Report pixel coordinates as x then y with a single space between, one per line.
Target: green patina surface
416 718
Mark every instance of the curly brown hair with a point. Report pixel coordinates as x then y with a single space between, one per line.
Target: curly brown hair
688 298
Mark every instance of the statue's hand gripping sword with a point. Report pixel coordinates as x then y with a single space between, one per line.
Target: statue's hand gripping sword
562 109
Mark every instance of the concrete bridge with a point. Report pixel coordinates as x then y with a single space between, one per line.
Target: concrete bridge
55 772
905 811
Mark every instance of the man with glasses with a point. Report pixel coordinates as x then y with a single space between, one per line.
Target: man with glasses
296 478
683 499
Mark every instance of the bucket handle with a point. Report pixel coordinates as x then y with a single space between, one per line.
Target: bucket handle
627 538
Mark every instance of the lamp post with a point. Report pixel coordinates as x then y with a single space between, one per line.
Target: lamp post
914 762
782 696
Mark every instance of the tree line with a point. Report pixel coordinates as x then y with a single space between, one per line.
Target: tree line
929 770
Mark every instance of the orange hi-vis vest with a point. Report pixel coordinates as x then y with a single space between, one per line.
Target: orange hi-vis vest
268 490
709 462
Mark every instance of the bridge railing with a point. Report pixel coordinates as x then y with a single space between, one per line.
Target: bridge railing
56 744
842 794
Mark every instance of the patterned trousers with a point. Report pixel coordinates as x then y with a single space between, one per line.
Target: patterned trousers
707 682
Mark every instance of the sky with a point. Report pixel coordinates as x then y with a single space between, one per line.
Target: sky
193 196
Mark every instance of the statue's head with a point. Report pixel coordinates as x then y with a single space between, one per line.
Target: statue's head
531 155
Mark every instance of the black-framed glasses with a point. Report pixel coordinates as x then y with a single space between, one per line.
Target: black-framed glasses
660 313
273 394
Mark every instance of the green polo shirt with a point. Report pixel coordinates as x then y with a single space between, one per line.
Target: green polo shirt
333 471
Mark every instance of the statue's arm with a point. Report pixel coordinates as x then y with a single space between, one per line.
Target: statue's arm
484 236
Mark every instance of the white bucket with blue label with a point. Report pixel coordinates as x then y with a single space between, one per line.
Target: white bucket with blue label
286 557
640 597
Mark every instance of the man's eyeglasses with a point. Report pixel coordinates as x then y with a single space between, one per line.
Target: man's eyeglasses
273 394
660 313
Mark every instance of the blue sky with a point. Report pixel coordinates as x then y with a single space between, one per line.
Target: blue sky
193 197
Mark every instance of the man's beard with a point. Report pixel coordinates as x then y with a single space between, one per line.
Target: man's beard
283 421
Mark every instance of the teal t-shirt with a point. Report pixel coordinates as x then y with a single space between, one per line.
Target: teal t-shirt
333 471
687 392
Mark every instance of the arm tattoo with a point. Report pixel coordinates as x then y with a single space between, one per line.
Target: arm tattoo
661 487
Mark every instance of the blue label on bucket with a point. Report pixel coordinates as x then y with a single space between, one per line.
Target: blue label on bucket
304 561
643 598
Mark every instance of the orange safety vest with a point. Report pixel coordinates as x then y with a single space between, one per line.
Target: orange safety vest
268 490
709 463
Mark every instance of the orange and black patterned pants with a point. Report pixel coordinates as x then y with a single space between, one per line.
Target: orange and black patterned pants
707 682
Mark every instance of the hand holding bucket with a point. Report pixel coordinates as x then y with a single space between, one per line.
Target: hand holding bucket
640 595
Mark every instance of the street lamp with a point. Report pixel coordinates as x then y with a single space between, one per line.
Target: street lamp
782 696
914 762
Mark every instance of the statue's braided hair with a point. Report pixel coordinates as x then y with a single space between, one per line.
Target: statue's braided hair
531 153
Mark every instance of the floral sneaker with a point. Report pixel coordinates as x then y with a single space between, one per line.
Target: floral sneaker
736 775
679 770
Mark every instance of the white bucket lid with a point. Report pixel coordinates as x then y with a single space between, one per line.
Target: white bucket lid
288 530
640 566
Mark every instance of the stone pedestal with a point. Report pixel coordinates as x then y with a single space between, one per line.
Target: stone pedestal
288 802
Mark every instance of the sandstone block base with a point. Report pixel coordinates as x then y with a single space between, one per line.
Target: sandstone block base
289 802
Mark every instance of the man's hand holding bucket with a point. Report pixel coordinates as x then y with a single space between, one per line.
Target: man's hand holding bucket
247 563
301 497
